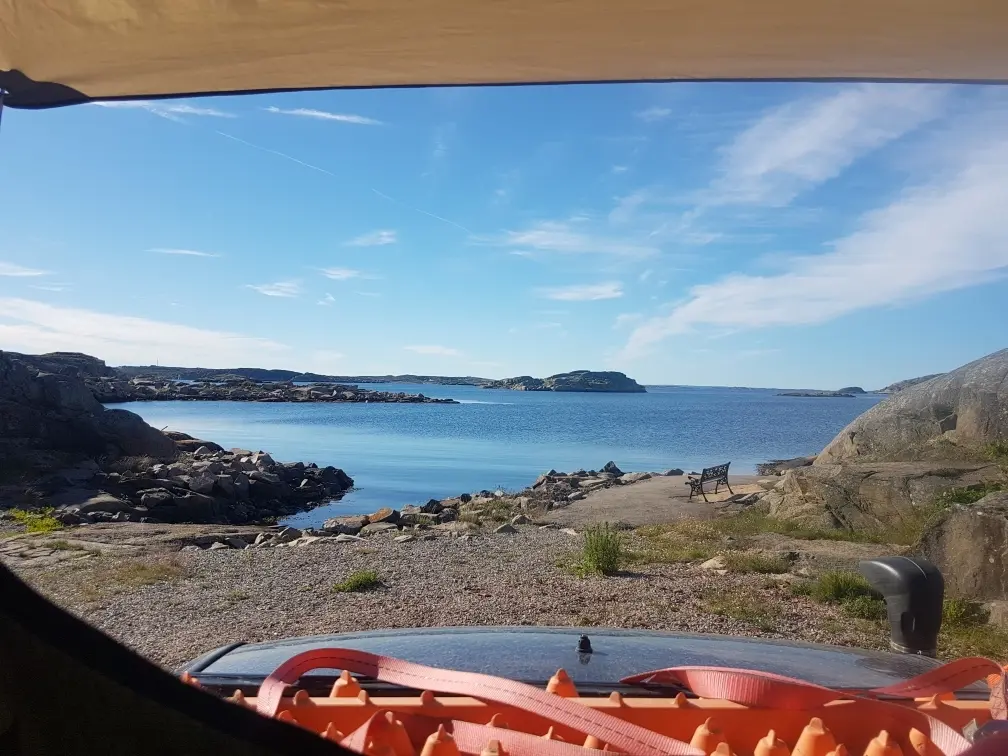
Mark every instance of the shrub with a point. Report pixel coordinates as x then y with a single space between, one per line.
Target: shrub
357 582
602 551
37 521
842 585
767 564
958 613
865 607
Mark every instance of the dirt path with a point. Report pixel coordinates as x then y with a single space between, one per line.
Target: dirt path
649 502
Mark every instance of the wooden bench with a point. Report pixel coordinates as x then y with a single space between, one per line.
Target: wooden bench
717 475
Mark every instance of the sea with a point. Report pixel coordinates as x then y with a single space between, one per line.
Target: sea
401 454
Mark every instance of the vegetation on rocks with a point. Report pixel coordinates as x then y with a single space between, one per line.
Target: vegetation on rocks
602 550
37 521
358 582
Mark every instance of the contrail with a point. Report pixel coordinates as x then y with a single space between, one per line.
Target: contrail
330 173
422 212
280 154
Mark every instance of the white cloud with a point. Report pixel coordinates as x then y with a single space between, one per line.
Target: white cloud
434 349
802 144
625 318
651 115
327 300
584 292
278 289
51 287
552 236
323 115
620 169
374 239
19 271
182 252
941 236
344 274
35 327
166 108
645 275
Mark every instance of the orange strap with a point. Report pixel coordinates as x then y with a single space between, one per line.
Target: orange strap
747 687
622 736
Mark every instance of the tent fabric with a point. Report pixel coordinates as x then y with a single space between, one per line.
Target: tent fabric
68 689
56 52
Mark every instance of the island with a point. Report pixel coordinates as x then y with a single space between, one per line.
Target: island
851 390
164 372
111 385
817 394
578 380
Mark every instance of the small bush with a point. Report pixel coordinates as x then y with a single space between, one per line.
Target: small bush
865 607
602 551
998 451
840 586
767 564
967 494
62 545
37 521
362 580
958 613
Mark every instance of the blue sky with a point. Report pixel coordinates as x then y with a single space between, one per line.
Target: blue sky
791 235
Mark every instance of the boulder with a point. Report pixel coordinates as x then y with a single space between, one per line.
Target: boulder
155 497
465 498
969 544
287 535
385 514
265 477
634 477
103 502
869 496
576 496
225 485
610 467
377 527
433 506
673 472
951 416
241 486
506 529
348 525
203 451
203 483
263 461
521 520
236 542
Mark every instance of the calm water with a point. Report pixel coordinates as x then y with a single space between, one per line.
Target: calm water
403 453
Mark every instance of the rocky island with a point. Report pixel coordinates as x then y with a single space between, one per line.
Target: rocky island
842 394
114 385
578 380
892 388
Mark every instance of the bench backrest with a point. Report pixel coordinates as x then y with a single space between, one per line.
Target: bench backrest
719 472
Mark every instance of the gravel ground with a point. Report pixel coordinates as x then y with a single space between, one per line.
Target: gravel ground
172 606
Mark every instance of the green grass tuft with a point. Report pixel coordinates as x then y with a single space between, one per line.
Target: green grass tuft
842 585
602 550
37 521
960 613
362 580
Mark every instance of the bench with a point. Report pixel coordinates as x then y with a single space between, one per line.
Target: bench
717 475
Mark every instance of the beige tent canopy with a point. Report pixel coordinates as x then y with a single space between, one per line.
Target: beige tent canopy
57 52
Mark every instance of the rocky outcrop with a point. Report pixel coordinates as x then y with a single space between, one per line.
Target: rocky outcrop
870 496
42 411
851 390
952 416
579 380
892 388
969 544
225 487
113 389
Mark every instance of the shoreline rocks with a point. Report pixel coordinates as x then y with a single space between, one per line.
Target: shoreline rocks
113 390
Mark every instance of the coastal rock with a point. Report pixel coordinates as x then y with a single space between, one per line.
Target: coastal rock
225 485
635 477
385 514
952 416
611 468
404 538
377 527
505 529
155 497
715 563
521 520
346 538
347 525
287 535
218 546
575 496
870 496
241 486
969 544
433 506
673 472
203 483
